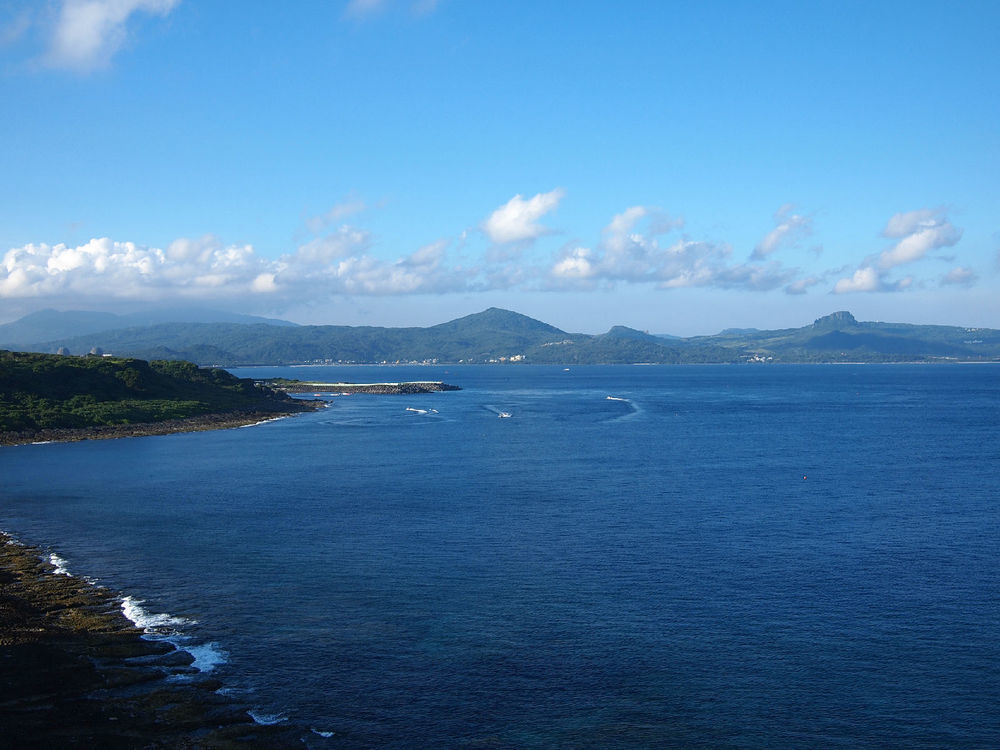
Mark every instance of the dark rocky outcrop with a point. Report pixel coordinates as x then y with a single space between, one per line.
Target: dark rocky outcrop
166 427
75 673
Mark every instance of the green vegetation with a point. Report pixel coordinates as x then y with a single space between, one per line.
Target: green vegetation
496 335
43 391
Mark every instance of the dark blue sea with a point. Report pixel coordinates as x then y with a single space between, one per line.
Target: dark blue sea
714 557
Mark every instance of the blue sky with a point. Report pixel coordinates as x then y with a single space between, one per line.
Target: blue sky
677 168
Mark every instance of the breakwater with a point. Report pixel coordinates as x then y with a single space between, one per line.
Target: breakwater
300 386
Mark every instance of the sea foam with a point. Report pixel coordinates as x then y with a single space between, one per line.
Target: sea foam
152 624
260 717
207 656
164 627
59 564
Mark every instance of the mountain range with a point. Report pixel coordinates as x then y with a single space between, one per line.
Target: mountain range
494 335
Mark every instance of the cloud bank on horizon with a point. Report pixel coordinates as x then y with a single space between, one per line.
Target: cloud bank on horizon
554 231
631 250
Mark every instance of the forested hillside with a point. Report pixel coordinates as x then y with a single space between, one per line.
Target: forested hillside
43 391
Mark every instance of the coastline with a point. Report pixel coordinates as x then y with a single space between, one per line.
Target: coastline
75 672
221 421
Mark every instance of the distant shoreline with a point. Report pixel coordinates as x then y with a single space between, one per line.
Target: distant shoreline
199 423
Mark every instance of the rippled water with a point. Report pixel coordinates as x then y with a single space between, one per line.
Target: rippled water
714 557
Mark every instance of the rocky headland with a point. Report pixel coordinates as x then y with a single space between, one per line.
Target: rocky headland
199 423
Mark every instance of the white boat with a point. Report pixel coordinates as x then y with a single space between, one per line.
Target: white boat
504 415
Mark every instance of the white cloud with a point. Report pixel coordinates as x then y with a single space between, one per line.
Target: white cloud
427 256
617 233
903 224
620 232
517 219
790 228
341 243
206 269
575 264
919 232
87 33
865 279
960 276
870 279
635 257
124 270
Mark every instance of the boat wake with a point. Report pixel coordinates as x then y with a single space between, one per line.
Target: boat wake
633 409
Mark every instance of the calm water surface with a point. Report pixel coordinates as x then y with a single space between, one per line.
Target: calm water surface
782 556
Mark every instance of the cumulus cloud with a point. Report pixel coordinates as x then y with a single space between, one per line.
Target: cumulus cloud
790 228
574 264
865 279
870 279
209 270
918 232
87 33
628 255
124 269
517 219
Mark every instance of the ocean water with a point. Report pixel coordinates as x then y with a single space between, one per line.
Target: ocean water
724 557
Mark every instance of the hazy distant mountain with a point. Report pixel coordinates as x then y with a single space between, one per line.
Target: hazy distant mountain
496 335
839 337
35 330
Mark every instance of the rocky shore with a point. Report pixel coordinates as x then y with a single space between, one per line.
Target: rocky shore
166 427
75 673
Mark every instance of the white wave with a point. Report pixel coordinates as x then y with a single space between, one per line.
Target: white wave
617 398
418 411
263 421
207 656
151 623
267 719
321 733
59 564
